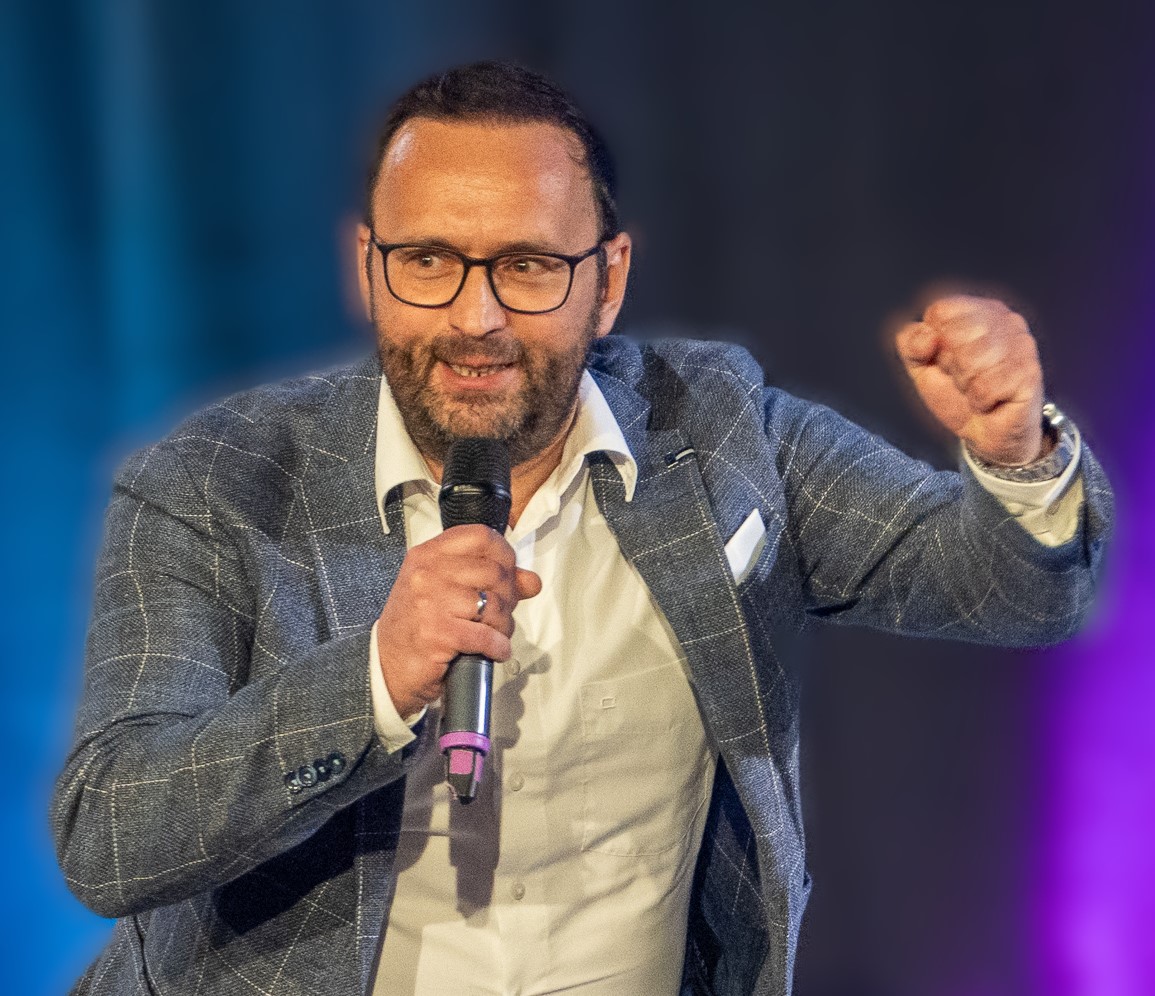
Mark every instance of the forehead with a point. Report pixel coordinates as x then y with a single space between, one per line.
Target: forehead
484 182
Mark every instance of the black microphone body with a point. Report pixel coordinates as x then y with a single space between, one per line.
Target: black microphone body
474 489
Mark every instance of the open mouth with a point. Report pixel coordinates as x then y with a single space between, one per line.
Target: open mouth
466 371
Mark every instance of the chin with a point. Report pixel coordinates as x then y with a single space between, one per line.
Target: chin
474 420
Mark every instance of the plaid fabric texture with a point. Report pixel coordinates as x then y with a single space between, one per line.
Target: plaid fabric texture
226 796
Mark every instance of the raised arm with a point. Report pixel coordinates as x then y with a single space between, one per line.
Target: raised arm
886 541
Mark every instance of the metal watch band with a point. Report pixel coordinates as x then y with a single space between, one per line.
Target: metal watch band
1057 426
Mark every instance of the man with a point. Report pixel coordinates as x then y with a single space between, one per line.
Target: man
255 789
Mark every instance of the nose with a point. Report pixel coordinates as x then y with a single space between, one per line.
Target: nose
476 311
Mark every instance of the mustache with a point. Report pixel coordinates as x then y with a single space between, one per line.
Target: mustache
454 349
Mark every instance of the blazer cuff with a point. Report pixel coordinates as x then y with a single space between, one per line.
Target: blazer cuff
1049 510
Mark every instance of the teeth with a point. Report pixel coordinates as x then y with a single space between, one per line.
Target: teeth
475 371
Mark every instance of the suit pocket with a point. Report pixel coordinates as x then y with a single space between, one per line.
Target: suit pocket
745 546
644 761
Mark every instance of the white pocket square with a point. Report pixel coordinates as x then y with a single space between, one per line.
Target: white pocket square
745 545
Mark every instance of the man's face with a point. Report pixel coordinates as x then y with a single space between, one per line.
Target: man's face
471 367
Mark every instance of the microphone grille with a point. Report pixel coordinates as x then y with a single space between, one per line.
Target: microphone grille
475 484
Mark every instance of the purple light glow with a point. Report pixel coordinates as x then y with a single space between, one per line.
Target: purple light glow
1096 906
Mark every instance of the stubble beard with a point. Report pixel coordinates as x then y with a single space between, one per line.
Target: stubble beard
527 421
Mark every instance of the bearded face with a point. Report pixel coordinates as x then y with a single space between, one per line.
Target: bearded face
532 398
473 367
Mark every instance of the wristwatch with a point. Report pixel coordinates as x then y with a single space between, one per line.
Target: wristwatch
1057 427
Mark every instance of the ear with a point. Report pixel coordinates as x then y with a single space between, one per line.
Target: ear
363 261
617 254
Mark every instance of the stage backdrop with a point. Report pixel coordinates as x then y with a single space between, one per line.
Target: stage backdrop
177 182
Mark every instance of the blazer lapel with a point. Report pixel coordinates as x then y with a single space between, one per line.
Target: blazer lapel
356 561
669 533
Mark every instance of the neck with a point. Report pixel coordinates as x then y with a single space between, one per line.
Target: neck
531 474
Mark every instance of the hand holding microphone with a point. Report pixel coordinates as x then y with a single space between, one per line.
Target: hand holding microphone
430 617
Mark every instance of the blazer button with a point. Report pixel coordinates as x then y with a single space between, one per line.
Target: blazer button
336 762
323 769
292 782
307 775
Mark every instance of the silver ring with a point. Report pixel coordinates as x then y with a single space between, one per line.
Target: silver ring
482 602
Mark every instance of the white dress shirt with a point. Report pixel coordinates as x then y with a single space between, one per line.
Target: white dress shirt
571 871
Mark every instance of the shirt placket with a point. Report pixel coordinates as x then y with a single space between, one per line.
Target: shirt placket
521 882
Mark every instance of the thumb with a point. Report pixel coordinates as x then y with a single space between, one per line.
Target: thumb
526 583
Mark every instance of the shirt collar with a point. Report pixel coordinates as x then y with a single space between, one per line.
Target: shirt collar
595 430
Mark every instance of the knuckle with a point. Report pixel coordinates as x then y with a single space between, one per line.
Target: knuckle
507 584
419 579
496 574
986 390
946 306
1018 323
502 551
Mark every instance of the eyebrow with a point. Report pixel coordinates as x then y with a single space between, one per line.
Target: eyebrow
523 245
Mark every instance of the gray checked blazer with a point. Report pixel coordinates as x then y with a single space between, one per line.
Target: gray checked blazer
226 796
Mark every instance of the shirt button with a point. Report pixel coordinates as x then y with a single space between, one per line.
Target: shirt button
518 891
517 782
513 668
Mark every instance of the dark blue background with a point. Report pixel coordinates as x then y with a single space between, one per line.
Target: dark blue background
177 182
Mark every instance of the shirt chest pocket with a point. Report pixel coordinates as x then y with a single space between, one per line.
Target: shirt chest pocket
644 762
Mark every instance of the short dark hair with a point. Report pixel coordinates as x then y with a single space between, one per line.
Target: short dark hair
508 93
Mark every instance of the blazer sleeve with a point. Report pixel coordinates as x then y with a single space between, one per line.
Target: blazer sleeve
886 541
185 771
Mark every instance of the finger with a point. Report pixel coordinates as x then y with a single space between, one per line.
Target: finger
414 672
478 638
428 678
998 385
431 692
460 602
966 358
497 613
478 575
477 538
954 306
452 587
527 584
961 332
1014 363
917 343
994 320
462 538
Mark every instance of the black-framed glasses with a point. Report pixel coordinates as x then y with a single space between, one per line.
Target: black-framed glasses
530 283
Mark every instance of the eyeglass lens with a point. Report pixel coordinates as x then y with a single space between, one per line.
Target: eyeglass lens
430 277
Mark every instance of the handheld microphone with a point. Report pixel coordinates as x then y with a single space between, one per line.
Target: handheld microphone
474 489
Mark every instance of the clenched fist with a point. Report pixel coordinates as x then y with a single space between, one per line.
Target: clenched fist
975 365
429 616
